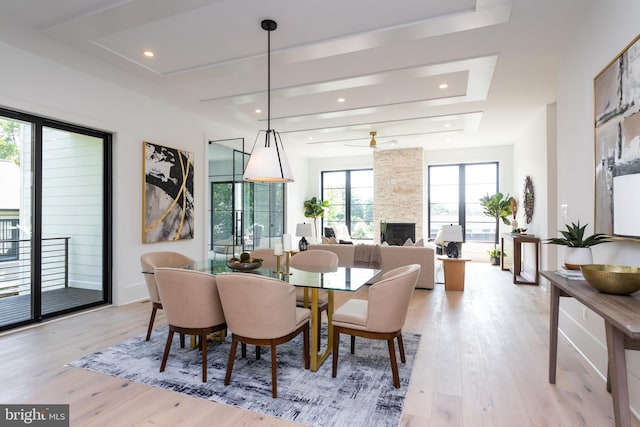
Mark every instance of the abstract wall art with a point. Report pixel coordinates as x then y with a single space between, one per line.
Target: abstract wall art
617 144
167 195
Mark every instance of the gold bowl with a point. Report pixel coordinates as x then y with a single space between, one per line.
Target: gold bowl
612 279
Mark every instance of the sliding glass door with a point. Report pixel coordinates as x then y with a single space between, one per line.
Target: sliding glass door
55 218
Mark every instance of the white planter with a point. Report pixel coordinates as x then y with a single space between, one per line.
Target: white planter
575 257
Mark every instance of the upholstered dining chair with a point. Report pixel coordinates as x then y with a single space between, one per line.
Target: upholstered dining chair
266 255
380 317
315 260
261 311
192 305
149 262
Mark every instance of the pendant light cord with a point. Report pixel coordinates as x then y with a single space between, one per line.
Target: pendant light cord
268 81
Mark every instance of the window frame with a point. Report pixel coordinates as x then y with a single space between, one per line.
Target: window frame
462 184
347 200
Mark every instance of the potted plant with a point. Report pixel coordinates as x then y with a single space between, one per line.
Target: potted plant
578 247
314 208
494 256
497 206
383 231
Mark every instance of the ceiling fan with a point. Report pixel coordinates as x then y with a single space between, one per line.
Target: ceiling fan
373 144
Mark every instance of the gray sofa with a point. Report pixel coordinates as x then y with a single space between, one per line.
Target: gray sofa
392 257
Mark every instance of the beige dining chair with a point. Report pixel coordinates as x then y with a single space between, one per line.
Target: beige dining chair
149 262
380 317
267 257
192 305
261 311
316 260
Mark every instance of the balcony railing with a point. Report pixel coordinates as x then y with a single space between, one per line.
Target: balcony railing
9 234
15 273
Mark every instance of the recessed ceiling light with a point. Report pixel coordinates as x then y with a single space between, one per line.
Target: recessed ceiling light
149 54
443 86
447 125
258 111
341 100
310 138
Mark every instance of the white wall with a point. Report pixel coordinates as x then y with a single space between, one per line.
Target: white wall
45 88
530 159
604 30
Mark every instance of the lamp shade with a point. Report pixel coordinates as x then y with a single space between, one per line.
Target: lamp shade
452 233
304 230
268 161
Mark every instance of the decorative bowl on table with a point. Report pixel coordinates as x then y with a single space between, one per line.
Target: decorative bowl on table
252 264
612 279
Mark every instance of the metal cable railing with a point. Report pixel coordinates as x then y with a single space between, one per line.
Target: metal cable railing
15 273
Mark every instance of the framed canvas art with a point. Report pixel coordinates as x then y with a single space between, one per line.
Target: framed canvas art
617 144
167 196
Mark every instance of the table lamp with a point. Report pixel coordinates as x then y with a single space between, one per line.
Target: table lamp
303 230
451 235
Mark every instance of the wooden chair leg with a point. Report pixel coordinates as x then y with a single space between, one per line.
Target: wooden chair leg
274 376
257 352
203 349
336 346
232 358
167 347
353 344
181 340
394 364
401 348
151 320
243 350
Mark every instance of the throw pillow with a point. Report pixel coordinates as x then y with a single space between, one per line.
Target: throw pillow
333 240
408 242
419 243
325 240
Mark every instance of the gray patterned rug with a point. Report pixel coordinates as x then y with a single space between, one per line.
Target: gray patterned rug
361 395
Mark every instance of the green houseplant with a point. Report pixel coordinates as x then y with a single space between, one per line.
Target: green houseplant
497 206
578 247
314 208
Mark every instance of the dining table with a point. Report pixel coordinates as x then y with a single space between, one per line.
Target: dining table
314 279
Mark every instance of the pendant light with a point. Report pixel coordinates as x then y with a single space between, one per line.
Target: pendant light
268 162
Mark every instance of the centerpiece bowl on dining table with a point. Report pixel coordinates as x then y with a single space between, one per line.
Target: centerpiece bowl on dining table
252 264
612 279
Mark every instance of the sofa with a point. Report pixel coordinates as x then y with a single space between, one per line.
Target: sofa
391 257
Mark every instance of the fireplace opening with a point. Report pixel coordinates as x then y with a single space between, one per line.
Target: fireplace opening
398 232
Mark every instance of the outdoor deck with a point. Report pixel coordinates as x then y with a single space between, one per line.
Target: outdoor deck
18 308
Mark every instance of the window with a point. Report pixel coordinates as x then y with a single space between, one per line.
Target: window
350 196
454 198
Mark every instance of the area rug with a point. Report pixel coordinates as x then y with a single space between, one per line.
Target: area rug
361 395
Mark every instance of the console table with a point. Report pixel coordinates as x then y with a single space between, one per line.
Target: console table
621 316
518 241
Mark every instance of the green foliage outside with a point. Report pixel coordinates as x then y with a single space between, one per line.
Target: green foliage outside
361 213
8 140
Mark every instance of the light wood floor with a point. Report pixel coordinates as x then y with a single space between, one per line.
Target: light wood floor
482 361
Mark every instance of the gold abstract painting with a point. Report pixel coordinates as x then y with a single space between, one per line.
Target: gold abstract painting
167 194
